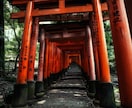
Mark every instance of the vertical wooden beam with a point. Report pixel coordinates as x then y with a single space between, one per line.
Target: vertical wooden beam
49 59
86 64
39 86
32 54
91 57
20 89
54 56
24 54
123 49
45 65
103 56
61 4
32 51
106 87
92 76
41 56
94 30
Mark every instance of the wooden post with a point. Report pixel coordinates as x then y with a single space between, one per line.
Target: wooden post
54 55
61 4
32 51
50 65
39 88
92 76
49 60
91 57
41 56
94 30
31 62
20 89
46 65
103 56
123 49
106 87
86 63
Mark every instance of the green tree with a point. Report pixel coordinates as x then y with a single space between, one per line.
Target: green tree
13 32
110 47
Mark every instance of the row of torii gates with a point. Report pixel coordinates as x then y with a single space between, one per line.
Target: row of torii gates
79 36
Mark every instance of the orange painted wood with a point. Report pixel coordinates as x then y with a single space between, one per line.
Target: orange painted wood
43 12
46 60
86 56
96 58
95 45
56 58
32 51
41 56
85 60
102 49
24 54
53 56
49 59
91 56
61 4
123 49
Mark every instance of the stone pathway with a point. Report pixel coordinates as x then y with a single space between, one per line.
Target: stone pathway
67 92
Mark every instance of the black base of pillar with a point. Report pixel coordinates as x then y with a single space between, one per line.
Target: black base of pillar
97 85
39 89
48 81
52 78
31 90
45 84
91 88
20 95
107 98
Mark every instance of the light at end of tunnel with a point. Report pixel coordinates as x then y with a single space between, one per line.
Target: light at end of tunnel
45 22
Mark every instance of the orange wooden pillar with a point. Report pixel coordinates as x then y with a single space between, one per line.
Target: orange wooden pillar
49 62
32 54
50 69
85 61
54 56
53 75
39 87
93 26
92 76
20 89
58 60
90 53
45 70
106 87
123 50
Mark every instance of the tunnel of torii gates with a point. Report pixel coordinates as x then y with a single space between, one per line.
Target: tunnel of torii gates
78 36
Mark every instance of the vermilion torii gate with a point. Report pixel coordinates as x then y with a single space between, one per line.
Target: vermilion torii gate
86 40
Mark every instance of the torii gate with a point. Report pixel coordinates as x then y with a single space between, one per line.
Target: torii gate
34 13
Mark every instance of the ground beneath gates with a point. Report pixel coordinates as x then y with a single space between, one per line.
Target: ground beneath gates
68 92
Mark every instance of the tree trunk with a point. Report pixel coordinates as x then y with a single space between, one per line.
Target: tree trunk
2 66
